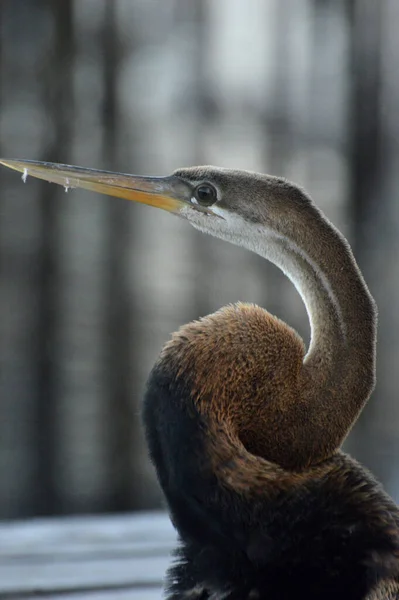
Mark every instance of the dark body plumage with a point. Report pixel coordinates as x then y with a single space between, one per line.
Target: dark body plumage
330 532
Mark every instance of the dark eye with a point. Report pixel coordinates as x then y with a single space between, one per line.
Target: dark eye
205 194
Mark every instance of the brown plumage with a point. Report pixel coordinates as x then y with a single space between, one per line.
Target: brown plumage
244 425
268 358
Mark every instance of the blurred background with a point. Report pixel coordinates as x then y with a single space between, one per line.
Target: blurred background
91 287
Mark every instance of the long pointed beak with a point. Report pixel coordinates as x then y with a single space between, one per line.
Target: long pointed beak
169 193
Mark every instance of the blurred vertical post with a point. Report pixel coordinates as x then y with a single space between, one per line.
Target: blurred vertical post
279 140
118 342
364 120
364 161
57 99
202 256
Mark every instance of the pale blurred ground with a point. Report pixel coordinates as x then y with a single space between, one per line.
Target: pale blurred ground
90 287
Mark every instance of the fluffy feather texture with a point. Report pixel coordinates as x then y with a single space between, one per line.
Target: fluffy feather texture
248 527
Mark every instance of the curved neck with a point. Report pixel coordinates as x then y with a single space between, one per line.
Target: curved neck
338 372
339 367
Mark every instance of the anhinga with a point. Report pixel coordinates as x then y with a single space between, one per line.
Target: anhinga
244 426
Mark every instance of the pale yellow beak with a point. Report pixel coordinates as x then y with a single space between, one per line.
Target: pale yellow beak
169 193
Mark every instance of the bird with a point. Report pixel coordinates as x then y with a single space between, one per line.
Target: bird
244 423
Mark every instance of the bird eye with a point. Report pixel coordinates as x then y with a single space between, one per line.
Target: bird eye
205 194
